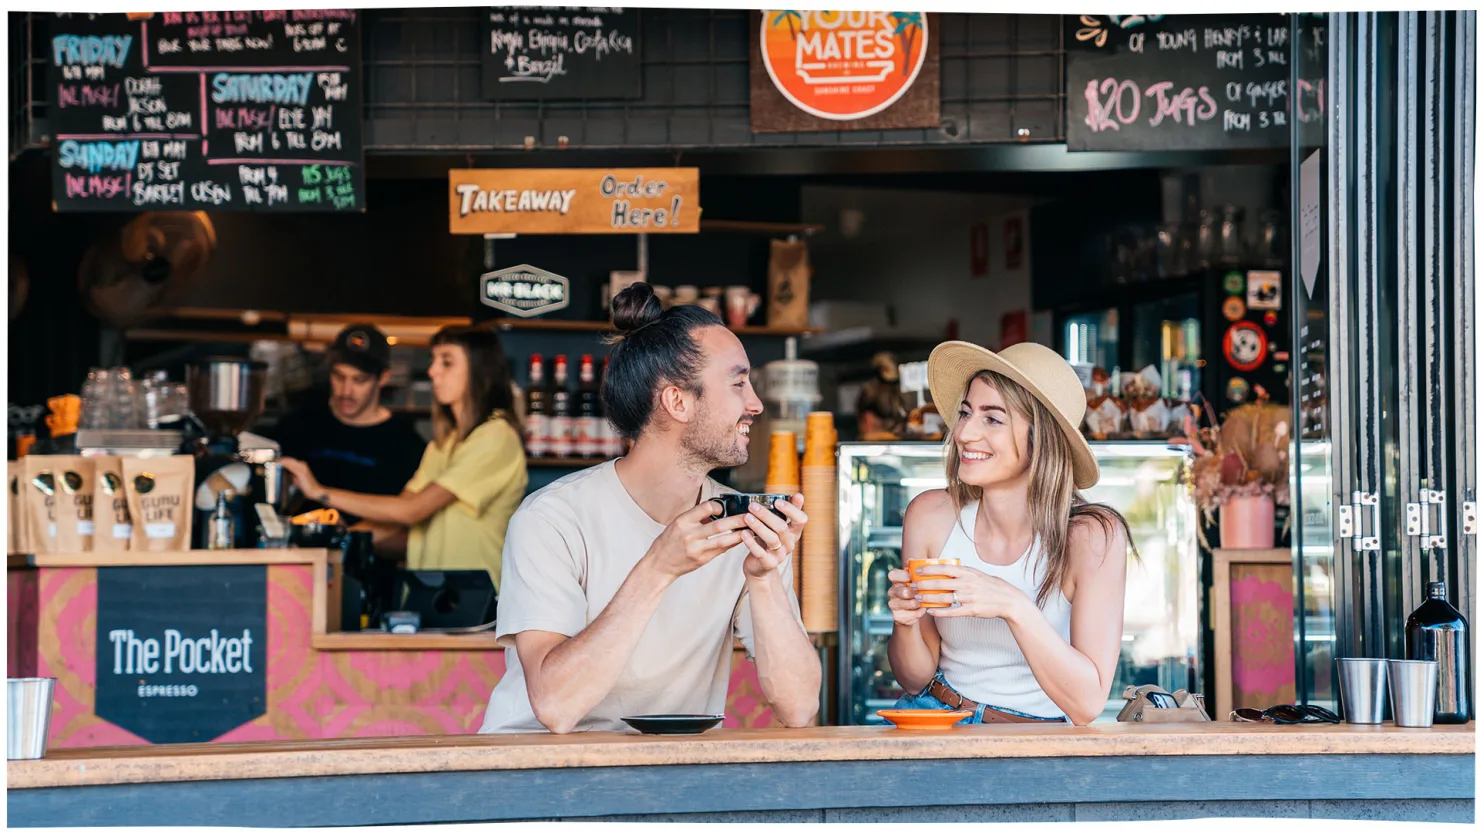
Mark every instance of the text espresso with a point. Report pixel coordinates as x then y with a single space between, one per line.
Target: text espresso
203 655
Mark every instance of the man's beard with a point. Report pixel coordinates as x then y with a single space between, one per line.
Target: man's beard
709 446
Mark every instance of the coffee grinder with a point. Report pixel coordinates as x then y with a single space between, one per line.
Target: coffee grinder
226 396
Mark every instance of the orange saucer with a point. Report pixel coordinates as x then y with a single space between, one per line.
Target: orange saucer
924 718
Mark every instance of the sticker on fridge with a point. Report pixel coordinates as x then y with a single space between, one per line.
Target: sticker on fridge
1264 290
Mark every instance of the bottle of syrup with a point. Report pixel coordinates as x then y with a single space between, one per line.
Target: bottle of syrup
1437 631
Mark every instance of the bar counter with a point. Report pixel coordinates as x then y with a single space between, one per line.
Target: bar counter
980 773
314 681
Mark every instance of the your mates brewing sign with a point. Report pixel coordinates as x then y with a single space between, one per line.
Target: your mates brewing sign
843 70
181 651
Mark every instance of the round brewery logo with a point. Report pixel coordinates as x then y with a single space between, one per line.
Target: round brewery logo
843 65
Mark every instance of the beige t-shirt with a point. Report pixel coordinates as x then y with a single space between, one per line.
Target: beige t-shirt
568 550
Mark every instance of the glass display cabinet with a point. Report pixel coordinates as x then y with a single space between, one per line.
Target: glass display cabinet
1146 482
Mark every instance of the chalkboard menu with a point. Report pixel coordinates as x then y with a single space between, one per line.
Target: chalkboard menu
559 52
181 651
1178 82
220 111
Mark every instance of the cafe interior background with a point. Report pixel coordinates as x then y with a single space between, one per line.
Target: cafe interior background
1161 256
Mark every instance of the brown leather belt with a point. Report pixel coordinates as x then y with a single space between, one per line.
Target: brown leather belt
942 692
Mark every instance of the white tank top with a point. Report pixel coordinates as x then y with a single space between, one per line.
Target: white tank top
979 657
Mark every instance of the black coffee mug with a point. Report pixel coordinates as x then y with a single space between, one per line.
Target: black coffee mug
739 504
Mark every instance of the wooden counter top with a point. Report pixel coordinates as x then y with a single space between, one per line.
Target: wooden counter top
178 558
381 641
462 753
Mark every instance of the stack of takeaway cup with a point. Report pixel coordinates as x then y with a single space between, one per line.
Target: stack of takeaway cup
783 477
820 538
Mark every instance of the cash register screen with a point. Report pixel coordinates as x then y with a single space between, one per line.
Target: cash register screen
448 598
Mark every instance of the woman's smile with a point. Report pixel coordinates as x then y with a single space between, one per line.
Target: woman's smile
970 457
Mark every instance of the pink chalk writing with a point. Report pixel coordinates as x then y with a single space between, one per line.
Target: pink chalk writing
97 186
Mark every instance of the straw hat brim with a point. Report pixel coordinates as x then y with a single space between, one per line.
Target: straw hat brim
954 363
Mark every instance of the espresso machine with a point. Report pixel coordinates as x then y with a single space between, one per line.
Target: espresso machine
227 395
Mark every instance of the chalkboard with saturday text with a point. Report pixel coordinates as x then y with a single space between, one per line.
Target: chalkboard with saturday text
219 111
1178 82
561 53
181 651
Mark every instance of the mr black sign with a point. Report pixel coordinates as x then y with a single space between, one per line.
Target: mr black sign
181 651
525 291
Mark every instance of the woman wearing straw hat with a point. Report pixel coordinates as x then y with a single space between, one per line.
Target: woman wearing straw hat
1036 605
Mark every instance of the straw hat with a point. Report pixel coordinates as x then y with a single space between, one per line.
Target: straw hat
1040 371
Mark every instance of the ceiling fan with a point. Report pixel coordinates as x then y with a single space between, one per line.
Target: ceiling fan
127 272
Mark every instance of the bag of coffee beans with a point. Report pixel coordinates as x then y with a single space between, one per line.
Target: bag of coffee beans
74 503
159 491
39 495
112 527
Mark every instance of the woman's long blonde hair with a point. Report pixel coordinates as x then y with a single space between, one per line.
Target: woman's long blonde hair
1053 500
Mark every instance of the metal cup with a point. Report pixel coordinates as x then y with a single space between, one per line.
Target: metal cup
1363 689
275 485
1413 684
28 717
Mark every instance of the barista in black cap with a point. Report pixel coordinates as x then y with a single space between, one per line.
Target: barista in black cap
356 442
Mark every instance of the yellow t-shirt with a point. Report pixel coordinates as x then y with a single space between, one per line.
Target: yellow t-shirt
487 475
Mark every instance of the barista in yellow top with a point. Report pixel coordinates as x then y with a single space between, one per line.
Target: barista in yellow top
472 476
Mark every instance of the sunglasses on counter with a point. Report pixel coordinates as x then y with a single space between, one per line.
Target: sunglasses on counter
1284 715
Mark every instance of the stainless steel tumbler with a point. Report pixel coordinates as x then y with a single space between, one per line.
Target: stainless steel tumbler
28 717
1413 685
1363 689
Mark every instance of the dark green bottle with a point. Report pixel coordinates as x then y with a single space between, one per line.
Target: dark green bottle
1437 631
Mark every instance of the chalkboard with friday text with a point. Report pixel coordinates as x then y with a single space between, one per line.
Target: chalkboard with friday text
1177 82
219 111
549 52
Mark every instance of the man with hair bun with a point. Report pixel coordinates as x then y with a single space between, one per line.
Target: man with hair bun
620 593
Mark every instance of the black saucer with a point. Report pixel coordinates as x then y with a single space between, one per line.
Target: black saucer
674 724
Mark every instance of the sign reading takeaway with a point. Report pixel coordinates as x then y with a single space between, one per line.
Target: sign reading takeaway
573 201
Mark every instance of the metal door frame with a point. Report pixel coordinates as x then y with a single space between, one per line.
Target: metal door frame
1463 460
1400 215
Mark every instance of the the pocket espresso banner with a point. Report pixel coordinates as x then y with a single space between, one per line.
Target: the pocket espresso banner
181 651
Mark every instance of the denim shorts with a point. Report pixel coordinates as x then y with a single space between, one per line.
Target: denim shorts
923 700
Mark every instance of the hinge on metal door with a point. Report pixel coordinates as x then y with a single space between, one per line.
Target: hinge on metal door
1471 517
1421 520
1349 520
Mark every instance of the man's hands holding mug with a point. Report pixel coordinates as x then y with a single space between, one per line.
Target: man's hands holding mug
695 538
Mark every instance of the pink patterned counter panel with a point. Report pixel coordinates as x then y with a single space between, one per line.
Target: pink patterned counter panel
310 694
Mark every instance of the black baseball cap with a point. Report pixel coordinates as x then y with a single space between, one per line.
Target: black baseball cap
362 346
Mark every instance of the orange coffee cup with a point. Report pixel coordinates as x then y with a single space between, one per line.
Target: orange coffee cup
915 563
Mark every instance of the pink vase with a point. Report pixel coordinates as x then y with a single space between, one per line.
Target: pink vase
1247 523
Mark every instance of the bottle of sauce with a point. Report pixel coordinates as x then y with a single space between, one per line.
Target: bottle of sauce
588 433
221 524
537 411
611 441
1437 631
561 435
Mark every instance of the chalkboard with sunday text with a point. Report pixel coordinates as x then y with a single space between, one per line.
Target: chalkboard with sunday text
219 111
546 52
1178 82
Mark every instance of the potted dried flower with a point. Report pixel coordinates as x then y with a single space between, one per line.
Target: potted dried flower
1241 471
